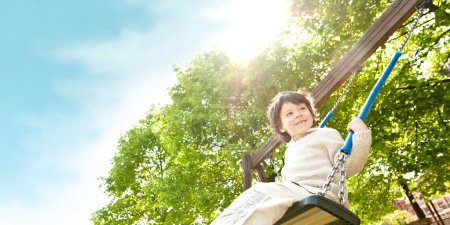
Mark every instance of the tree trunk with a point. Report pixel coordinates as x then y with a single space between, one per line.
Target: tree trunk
414 204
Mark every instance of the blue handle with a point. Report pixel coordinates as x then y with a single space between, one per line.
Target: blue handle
325 120
369 101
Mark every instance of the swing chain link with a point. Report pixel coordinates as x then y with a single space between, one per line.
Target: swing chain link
340 165
355 72
342 181
420 9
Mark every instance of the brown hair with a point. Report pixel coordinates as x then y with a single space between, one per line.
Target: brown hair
273 112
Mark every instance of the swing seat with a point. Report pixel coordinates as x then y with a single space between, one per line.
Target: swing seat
318 210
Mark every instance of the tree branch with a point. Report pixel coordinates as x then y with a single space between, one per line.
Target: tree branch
442 119
410 87
406 24
440 36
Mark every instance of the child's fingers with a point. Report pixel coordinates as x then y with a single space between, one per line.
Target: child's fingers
356 124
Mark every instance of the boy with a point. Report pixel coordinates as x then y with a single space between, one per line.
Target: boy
309 158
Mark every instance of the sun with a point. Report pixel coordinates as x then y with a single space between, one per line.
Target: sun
251 25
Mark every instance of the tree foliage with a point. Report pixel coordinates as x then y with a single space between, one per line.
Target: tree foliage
181 164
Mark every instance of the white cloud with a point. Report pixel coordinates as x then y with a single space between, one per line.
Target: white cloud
122 77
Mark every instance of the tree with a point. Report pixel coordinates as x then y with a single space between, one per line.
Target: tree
181 164
409 120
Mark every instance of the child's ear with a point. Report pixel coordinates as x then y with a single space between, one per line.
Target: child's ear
282 130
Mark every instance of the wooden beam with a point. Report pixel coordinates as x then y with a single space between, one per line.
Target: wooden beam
394 17
375 36
268 147
260 172
246 165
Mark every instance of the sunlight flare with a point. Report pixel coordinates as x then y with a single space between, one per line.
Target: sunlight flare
251 25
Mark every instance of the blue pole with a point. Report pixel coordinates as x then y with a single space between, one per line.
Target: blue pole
369 101
325 120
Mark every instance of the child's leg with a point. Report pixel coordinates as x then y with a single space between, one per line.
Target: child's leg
264 203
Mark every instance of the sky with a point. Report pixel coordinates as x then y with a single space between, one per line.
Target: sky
75 75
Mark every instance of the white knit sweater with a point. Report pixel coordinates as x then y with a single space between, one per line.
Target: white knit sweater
309 158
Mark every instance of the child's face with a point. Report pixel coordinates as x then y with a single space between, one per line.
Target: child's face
295 118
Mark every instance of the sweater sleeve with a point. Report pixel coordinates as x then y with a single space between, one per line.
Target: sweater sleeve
334 141
360 152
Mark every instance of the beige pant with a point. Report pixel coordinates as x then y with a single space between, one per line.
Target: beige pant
262 204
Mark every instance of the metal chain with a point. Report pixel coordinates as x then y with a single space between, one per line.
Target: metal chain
420 9
342 181
337 166
340 164
355 72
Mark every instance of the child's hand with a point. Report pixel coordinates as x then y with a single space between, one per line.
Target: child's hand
357 125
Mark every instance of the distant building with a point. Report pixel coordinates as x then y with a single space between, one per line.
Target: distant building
442 205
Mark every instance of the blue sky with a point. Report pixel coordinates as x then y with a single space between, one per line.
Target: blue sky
75 75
